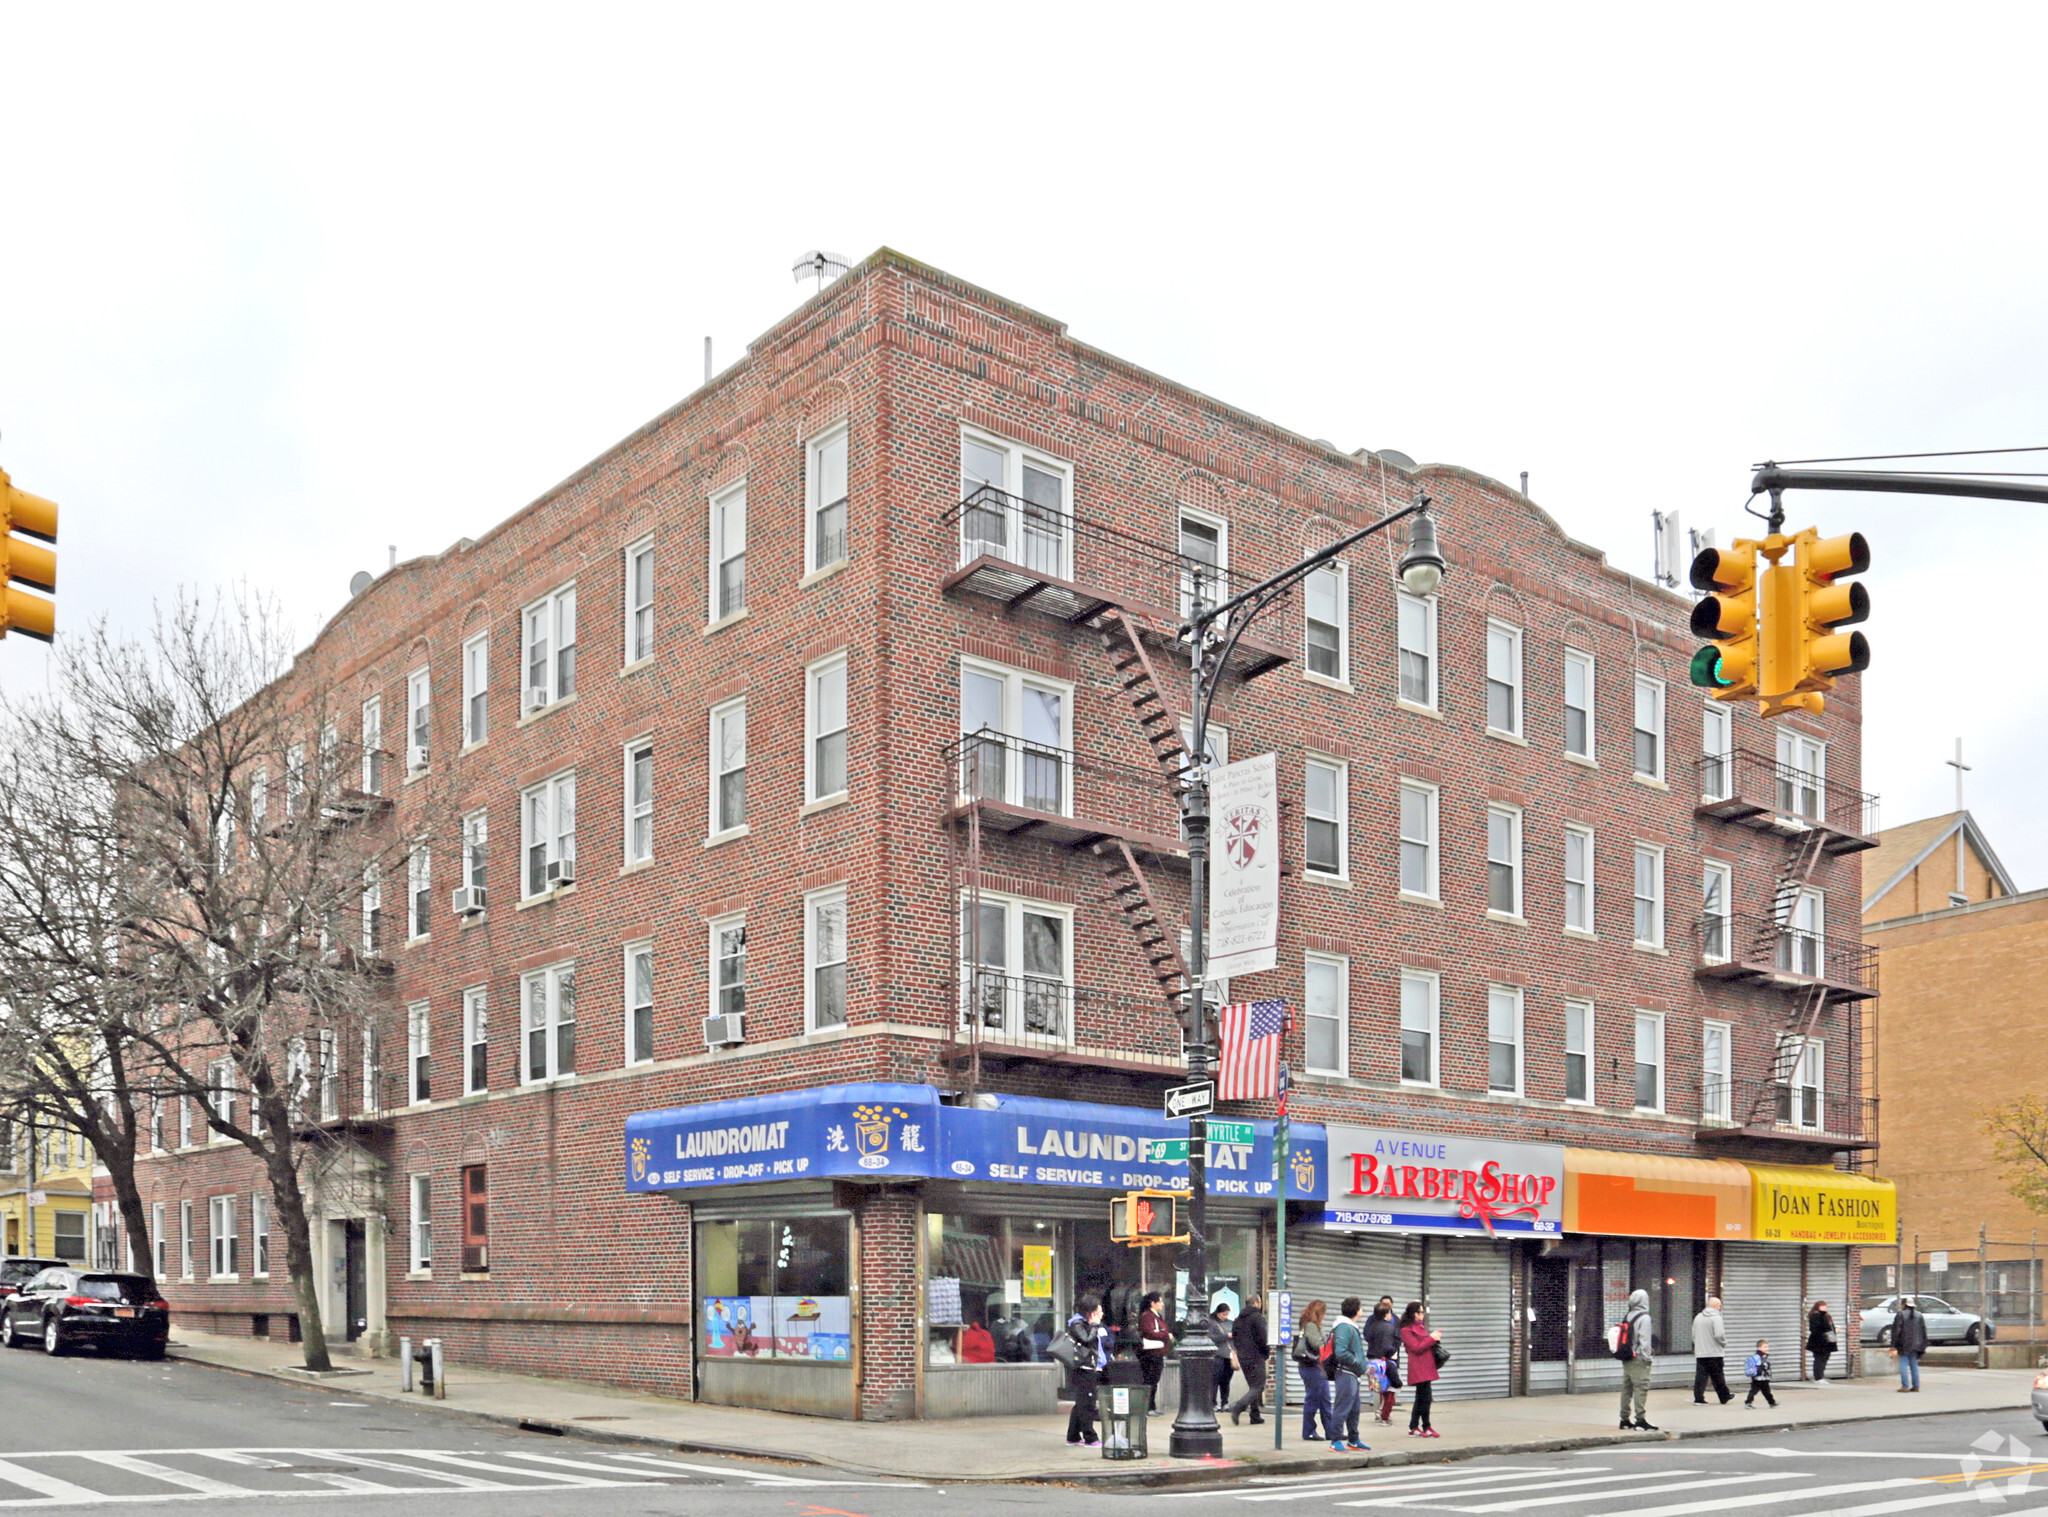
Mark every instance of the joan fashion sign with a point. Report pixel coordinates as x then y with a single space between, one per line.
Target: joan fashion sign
1244 868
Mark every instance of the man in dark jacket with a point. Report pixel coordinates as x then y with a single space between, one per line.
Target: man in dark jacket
1248 1337
1909 1342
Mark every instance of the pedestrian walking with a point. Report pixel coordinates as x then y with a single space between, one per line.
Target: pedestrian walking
1086 1359
1383 1343
1154 1339
1423 1344
1758 1368
1909 1342
1710 1354
1248 1337
1219 1334
1630 1340
1820 1341
1309 1338
1347 1368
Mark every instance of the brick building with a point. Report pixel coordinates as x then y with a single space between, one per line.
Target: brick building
814 745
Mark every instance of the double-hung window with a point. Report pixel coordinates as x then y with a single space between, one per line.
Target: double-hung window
476 843
1578 879
419 889
1717 753
728 766
1504 1039
220 1227
728 553
825 960
1418 1027
373 911
1014 506
1504 860
1578 1051
159 1240
476 1040
418 720
294 779
1716 1095
1799 1066
373 1071
1416 616
1015 746
1649 728
639 1003
639 802
422 1223
476 689
1649 896
548 834
1717 888
185 1239
1204 558
373 745
640 601
1649 1061
549 653
1802 942
419 1052
1418 840
825 500
1326 795
259 1235
548 998
1504 679
1018 963
1802 775
825 724
1325 1002
1326 605
1578 704
330 1073
729 967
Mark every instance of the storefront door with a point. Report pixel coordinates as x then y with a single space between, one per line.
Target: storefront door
1760 1299
1471 1304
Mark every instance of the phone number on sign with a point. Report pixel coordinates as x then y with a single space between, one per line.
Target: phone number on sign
1364 1218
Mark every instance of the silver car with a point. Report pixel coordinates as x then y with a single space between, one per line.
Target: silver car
2041 1399
1945 1323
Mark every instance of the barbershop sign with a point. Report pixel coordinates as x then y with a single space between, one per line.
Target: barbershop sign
1385 1179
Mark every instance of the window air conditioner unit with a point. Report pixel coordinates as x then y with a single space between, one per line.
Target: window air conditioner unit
725 1031
561 872
468 901
416 756
476 1256
536 697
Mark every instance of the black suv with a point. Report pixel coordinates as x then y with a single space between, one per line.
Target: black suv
65 1308
16 1270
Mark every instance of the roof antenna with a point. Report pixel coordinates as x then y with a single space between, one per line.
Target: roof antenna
1525 484
707 360
821 266
394 557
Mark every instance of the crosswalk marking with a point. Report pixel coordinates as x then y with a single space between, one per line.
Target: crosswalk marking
506 1469
1760 1498
1657 1490
576 1464
49 1486
759 1477
453 1477
1443 1478
205 1485
1912 1504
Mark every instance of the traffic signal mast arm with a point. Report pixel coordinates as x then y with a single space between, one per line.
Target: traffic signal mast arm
1771 478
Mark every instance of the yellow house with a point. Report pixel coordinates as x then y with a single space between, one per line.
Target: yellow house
45 1191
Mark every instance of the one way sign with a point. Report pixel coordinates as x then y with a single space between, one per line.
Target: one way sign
1191 1100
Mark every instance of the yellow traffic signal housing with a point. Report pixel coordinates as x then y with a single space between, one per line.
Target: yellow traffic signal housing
27 563
1727 667
1801 605
1145 1218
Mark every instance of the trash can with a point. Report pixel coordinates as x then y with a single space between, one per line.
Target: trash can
1125 1411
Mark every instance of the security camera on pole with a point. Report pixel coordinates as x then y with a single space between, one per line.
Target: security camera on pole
1210 633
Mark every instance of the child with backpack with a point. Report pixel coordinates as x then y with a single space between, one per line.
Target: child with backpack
1758 1368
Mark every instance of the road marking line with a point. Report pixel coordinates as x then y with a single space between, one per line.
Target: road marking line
574 1464
342 1482
252 1461
1520 1487
1447 1478
1657 1490
466 1482
1497 1469
1914 1503
507 1469
205 1485
762 1477
35 1480
1764 1498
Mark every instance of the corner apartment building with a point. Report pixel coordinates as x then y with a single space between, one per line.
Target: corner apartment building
804 976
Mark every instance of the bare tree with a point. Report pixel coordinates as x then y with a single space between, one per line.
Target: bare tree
2018 1130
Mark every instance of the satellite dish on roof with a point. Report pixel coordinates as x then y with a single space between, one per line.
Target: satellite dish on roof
821 266
359 581
1395 457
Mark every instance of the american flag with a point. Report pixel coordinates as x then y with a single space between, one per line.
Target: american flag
1250 1033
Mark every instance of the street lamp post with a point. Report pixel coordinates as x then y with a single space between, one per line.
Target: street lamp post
1211 633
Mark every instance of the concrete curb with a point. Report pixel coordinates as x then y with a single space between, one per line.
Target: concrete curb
1148 1475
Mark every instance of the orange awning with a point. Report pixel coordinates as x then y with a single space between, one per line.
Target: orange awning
1650 1196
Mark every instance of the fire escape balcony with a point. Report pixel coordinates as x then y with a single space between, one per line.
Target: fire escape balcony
1049 1020
1032 557
1771 954
1018 788
1743 1114
1756 790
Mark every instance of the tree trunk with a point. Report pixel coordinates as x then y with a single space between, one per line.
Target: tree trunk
290 1199
119 1158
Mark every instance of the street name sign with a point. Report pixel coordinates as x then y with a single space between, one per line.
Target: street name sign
1229 1132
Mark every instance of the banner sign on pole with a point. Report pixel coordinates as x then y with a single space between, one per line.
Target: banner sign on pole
1244 868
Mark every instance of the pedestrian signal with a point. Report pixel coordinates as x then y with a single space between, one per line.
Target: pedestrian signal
1146 1217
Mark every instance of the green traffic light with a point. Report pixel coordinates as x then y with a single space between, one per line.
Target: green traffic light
1706 669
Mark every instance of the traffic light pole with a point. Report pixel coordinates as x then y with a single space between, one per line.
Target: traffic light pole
1769 477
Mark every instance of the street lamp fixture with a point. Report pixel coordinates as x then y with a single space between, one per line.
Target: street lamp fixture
1422 567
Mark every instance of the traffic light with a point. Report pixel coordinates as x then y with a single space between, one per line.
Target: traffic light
1727 666
27 563
1145 1217
1816 653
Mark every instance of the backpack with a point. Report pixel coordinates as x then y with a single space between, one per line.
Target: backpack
1622 1339
1753 1365
1327 1353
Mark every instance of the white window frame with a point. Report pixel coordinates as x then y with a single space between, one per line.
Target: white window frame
1431 797
1652 687
637 598
815 505
726 535
1585 666
159 1242
637 810
1653 1022
1341 818
1584 1051
185 1239
184 1122
540 827
722 999
420 1224
373 1071
1425 607
1512 862
1010 967
1717 752
221 1085
1010 726
1504 1010
1506 638
1338 966
1807 1072
814 902
259 1235
1028 548
1586 918
1340 574
419 892
550 614
1653 855
718 823
815 674
1215 593
419 1053
476 849
1717 869
294 778
476 1036
373 912
476 690
1802 776
1803 941
419 720
1218 736
556 1023
221 1239
373 745
1432 989
1717 1100
635 953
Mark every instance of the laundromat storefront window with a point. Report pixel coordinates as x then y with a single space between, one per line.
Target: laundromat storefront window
994 1288
775 1288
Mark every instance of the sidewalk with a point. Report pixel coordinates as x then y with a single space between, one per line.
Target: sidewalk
1034 1448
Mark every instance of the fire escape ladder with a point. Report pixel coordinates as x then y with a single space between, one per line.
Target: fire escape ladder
1138 679
1131 895
1797 874
1801 1022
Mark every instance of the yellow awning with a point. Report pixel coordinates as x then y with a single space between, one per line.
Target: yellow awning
1797 1203
1654 1196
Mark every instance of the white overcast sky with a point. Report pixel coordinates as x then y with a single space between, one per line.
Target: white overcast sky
281 285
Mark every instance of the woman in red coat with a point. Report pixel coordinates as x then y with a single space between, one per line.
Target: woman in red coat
1420 1340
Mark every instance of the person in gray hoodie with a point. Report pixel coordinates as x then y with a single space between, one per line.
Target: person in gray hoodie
1709 1354
1635 1368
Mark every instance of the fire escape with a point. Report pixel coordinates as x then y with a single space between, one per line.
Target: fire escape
1034 560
